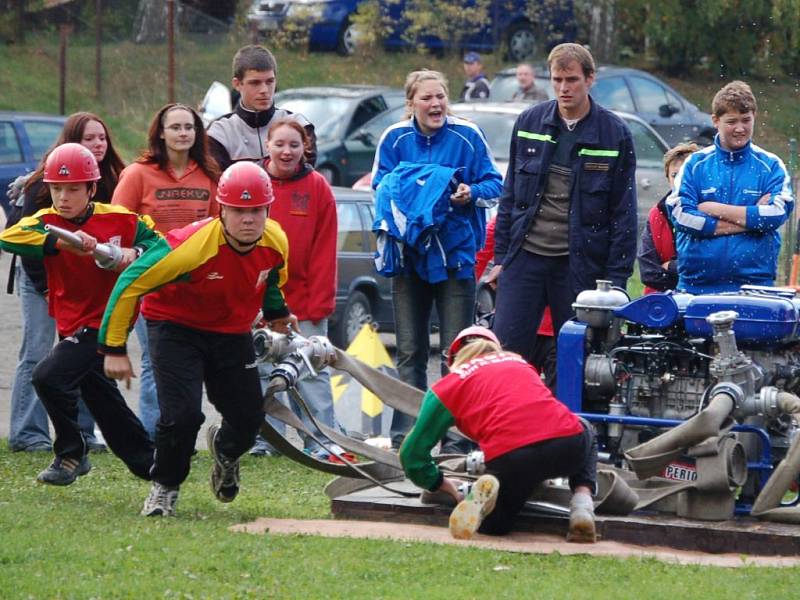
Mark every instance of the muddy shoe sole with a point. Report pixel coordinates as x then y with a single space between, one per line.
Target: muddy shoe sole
467 517
581 527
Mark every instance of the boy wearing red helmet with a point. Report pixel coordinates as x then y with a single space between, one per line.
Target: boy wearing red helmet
212 277
78 289
525 433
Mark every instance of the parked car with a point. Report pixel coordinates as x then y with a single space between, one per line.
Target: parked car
331 26
361 294
24 138
631 91
338 113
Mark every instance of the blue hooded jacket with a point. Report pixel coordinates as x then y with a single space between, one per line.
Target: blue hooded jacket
709 263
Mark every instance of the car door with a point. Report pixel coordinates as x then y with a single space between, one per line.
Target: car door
12 159
613 94
366 110
362 143
651 183
661 109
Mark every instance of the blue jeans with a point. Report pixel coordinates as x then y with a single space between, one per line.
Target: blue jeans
315 391
28 424
148 397
413 301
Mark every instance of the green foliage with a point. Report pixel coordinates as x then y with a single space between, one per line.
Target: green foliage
372 26
733 38
448 20
550 16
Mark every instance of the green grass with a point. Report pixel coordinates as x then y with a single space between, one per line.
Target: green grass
87 541
135 86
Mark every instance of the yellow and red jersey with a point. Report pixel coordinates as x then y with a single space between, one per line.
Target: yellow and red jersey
199 281
78 288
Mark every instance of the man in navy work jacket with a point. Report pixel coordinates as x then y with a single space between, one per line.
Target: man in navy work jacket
567 214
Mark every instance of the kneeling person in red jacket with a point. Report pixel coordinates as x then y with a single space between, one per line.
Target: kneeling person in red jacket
211 277
77 294
525 433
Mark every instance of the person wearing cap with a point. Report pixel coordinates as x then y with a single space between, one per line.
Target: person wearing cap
78 290
212 277
476 86
525 433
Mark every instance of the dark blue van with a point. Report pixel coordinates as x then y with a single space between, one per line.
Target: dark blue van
509 27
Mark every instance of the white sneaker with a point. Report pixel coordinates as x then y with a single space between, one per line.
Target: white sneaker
470 512
581 520
161 501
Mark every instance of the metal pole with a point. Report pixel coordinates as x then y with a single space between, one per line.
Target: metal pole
792 231
98 33
62 69
171 50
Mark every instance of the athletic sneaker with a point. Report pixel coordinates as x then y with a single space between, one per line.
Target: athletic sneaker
161 501
64 471
581 520
470 512
224 471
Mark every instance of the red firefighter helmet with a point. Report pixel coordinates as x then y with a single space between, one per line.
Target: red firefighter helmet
244 185
467 335
71 163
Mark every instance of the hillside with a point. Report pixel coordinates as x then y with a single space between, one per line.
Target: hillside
134 81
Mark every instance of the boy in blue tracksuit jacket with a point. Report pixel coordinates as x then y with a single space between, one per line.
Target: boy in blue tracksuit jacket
729 201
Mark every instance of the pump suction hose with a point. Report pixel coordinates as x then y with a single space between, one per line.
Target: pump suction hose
649 459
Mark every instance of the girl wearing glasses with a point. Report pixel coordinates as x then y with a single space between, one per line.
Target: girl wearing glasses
174 181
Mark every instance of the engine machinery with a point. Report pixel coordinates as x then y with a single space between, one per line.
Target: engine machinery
636 367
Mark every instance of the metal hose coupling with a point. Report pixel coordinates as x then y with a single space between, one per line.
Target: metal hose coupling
475 464
314 354
271 346
770 401
106 256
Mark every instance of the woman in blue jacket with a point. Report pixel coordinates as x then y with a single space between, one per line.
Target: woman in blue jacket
437 265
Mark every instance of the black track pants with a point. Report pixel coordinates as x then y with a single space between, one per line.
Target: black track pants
74 369
183 359
521 470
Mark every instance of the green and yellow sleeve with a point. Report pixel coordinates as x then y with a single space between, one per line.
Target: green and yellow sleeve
28 237
155 268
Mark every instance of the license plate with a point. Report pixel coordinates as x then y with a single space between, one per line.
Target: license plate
678 471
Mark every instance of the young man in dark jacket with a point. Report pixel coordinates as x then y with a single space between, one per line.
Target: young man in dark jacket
567 214
242 134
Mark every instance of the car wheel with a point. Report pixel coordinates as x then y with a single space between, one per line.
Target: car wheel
521 42
329 173
357 311
348 39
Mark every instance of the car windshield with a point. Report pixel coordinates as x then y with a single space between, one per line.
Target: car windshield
497 127
325 112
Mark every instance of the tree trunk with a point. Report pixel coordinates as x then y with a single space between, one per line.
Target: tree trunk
151 22
602 32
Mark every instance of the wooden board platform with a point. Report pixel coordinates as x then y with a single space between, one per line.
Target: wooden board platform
743 535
